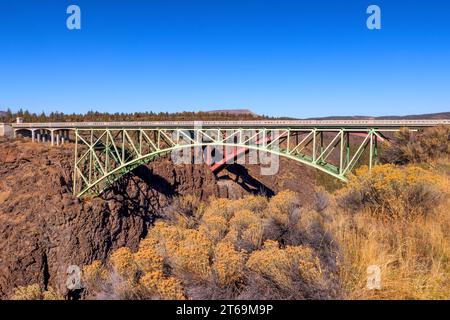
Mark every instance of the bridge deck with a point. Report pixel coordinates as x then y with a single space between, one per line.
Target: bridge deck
389 124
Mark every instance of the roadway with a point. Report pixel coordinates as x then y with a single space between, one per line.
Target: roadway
392 124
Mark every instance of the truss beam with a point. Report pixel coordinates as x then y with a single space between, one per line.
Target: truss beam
103 155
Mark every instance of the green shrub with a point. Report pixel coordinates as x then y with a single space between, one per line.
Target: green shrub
410 147
391 192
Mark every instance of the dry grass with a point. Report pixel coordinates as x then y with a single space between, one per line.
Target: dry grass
412 250
414 256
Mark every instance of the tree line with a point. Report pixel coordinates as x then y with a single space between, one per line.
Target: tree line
94 116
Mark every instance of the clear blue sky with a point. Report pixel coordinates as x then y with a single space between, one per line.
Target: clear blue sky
281 58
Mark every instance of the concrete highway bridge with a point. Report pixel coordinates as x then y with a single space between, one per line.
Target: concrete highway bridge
105 151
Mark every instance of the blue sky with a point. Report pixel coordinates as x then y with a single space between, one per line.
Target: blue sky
281 58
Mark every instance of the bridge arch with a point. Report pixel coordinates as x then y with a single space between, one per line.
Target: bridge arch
104 156
23 132
131 165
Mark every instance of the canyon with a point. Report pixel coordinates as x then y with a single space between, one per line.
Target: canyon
44 228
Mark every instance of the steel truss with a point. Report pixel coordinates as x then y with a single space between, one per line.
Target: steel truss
103 155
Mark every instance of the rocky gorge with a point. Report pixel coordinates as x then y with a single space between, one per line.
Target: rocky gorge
44 228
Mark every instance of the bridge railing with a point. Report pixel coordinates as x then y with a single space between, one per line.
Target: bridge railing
235 124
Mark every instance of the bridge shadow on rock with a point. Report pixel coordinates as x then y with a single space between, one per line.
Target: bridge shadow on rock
155 181
243 178
141 192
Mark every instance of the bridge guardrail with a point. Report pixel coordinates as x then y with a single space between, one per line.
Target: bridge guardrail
255 123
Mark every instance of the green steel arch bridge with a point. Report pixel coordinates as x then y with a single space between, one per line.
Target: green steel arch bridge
106 151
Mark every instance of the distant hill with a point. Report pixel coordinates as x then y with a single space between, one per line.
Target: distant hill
2 113
233 111
441 115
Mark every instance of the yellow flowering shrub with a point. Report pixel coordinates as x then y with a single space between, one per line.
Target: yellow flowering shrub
221 255
286 266
390 191
149 242
171 289
187 250
192 254
214 226
228 264
122 261
256 204
157 284
246 229
34 292
222 207
271 245
162 233
281 206
150 280
94 275
51 294
31 292
307 264
272 263
148 259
